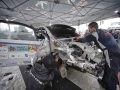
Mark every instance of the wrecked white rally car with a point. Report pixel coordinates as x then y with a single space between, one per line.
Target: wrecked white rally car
74 54
57 39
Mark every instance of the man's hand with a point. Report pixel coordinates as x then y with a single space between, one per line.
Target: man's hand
119 77
77 37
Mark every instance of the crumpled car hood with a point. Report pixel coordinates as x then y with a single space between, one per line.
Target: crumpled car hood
62 31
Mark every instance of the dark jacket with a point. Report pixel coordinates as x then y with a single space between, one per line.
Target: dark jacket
41 73
106 42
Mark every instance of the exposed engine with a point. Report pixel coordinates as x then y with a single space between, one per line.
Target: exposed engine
74 54
77 50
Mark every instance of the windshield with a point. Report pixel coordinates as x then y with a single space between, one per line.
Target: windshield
16 32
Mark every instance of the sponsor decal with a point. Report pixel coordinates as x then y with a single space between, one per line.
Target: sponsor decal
1 45
26 55
31 55
107 34
18 48
19 56
26 62
16 55
3 48
11 48
14 63
3 56
20 62
1 64
8 63
13 55
32 48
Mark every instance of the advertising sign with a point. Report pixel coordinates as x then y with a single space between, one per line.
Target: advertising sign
31 54
14 52
26 62
32 48
1 63
3 56
16 55
18 48
14 63
3 48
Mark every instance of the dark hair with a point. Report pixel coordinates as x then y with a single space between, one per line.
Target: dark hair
93 25
49 61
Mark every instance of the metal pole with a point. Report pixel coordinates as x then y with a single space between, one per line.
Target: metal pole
78 26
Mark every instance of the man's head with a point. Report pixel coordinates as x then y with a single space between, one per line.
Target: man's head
92 27
49 61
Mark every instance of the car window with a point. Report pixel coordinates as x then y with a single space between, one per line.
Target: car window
4 31
16 32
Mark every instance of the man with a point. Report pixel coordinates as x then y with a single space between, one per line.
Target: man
106 42
41 74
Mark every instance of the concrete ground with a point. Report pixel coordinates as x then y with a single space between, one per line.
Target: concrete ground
17 83
85 81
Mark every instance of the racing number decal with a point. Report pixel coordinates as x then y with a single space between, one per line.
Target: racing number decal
30 47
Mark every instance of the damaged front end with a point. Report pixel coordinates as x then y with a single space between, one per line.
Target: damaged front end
74 54
26 49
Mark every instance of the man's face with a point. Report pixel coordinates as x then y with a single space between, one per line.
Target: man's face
91 29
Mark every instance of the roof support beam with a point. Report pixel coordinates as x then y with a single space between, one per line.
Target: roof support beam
107 12
6 4
19 10
19 4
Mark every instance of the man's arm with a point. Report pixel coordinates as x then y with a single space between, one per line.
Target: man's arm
88 38
119 77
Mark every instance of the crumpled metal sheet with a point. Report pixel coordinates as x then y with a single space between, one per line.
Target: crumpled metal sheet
17 83
63 70
63 55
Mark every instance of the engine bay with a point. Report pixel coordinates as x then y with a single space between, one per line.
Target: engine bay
74 54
